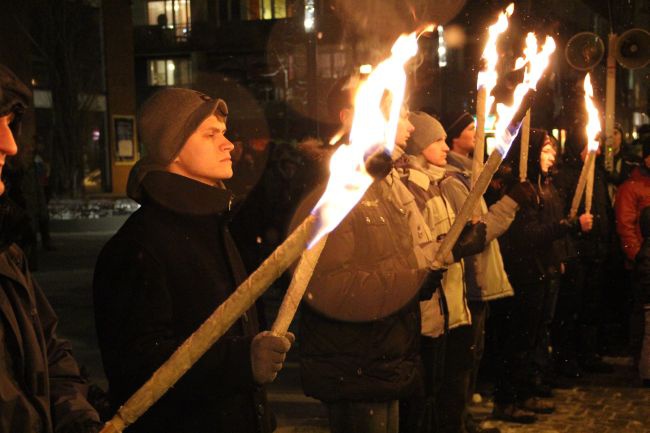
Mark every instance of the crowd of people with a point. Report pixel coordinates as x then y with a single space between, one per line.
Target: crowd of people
388 341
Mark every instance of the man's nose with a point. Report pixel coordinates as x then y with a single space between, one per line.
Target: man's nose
227 145
8 144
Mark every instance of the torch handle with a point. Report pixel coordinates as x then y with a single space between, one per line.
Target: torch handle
479 138
297 288
523 151
589 193
212 329
466 211
580 188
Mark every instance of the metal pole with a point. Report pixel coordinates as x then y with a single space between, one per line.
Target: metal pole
610 104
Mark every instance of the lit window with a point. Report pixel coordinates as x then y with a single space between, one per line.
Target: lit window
265 9
169 72
171 14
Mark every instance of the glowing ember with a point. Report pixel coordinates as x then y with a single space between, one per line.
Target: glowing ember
536 62
593 123
371 132
487 78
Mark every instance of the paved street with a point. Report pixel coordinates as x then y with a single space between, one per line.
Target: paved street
598 404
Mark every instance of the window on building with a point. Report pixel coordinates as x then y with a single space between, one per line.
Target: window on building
169 72
171 14
262 9
332 64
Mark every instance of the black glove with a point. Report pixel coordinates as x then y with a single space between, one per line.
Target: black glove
523 193
470 242
431 283
379 164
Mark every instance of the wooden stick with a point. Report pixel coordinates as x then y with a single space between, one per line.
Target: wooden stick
297 288
213 328
523 152
590 186
467 210
479 138
580 188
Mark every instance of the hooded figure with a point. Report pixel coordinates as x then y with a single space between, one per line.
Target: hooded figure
530 254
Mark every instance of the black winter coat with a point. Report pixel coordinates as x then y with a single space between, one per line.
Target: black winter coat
41 389
164 272
530 247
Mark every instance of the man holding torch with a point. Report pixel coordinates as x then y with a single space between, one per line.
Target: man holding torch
484 274
582 290
439 198
170 265
360 323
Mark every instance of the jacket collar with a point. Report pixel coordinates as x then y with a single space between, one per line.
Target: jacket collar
185 196
459 163
11 217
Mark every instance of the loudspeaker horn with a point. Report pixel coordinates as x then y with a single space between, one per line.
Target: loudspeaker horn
584 51
633 48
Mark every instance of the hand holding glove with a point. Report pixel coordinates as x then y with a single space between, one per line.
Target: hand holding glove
470 242
268 352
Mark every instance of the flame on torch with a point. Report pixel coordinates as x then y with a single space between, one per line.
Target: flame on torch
487 78
371 132
593 121
536 62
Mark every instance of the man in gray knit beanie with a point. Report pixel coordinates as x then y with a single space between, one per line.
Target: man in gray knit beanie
165 123
170 265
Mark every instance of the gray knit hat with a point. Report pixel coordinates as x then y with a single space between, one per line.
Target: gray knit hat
427 130
165 122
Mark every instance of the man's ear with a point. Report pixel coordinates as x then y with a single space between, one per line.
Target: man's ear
345 116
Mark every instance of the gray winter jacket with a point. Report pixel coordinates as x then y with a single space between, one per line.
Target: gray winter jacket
485 276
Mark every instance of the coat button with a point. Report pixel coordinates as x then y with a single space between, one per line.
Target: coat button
382 219
368 220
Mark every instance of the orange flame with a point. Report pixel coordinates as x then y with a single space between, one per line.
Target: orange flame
593 124
536 62
371 131
487 78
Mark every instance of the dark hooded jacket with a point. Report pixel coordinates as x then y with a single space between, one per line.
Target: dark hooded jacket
535 243
41 389
164 272
593 245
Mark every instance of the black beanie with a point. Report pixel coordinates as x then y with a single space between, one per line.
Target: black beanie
14 96
455 123
165 122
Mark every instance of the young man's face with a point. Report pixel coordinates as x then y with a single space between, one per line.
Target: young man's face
436 153
464 143
206 154
8 145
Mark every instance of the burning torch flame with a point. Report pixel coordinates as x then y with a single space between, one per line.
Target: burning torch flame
593 123
487 78
371 131
536 62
